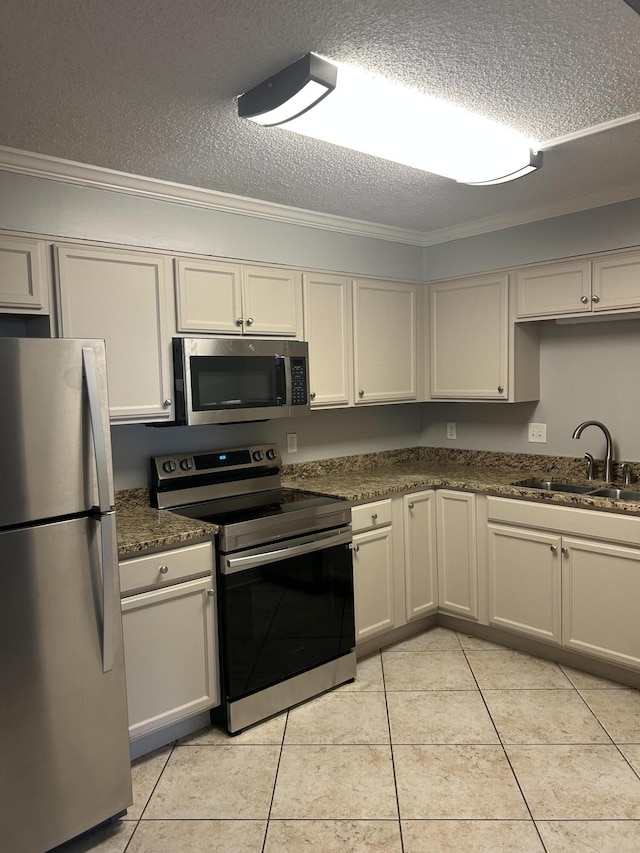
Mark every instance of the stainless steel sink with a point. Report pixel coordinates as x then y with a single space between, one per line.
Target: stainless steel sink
616 494
553 486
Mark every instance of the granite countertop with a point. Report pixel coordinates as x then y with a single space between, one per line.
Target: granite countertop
366 478
142 528
376 475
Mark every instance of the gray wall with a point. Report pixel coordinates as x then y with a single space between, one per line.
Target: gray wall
614 226
321 435
64 210
588 371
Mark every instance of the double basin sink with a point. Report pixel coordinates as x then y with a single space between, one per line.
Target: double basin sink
611 492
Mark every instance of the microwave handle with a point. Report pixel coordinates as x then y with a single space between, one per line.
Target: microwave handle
284 372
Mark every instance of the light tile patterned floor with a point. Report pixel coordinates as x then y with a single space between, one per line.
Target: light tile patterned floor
444 743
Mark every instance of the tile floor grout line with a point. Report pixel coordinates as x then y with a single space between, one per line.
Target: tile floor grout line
275 782
393 762
157 782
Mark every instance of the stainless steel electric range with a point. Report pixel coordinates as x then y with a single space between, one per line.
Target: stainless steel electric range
284 577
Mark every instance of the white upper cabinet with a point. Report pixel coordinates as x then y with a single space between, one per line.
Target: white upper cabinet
123 298
470 339
385 341
607 284
477 351
327 323
220 298
24 288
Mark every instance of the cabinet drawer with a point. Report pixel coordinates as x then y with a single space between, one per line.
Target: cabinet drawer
165 567
371 515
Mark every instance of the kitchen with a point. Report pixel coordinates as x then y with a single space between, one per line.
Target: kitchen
597 358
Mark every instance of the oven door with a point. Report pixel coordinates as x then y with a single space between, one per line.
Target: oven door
284 609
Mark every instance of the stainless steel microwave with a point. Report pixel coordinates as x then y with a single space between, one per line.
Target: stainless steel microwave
227 381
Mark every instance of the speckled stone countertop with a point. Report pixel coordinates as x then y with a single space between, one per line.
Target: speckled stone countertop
142 528
372 476
376 475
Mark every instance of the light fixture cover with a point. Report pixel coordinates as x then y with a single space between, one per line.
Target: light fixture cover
290 92
355 109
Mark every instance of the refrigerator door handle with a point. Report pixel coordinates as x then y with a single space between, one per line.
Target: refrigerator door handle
109 549
97 428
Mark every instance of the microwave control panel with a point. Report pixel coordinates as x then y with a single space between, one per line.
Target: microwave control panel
298 381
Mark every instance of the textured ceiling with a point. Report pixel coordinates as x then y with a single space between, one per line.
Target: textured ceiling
149 88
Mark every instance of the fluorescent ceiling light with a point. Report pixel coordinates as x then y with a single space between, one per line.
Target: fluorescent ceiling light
355 109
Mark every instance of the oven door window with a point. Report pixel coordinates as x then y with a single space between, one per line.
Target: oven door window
237 382
283 618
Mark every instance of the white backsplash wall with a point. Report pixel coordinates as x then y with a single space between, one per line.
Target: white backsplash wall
588 371
320 435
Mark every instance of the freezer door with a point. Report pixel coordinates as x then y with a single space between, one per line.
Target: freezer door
47 447
63 720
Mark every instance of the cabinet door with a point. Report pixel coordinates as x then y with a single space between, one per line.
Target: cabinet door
327 324
272 302
553 289
420 561
456 545
524 581
170 654
600 595
208 297
121 297
23 276
469 339
385 352
616 282
373 582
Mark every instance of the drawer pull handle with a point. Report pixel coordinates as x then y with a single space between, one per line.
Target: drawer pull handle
163 570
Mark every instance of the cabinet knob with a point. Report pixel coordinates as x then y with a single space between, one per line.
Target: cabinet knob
500 389
167 402
354 547
249 321
565 551
595 298
410 505
313 395
163 570
553 549
211 592
239 321
360 393
374 516
584 299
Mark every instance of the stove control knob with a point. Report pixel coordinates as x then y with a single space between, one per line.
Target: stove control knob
257 455
186 464
271 454
169 467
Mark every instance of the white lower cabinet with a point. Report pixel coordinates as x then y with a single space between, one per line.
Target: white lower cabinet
457 553
170 639
420 559
524 581
601 592
373 569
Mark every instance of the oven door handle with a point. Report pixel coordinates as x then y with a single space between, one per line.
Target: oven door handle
318 542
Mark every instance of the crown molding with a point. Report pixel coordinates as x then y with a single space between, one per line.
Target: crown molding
533 214
82 174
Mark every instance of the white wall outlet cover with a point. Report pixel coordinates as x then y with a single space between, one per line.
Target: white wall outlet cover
451 430
538 433
292 442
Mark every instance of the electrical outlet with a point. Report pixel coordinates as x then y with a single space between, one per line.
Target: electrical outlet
538 433
451 430
292 442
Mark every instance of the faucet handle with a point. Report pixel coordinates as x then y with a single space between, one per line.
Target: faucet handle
589 458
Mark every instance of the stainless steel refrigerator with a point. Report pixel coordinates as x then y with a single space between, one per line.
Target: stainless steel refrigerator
64 746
